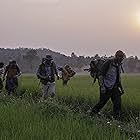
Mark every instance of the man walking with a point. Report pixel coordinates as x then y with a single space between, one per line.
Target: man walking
67 73
46 73
110 85
12 72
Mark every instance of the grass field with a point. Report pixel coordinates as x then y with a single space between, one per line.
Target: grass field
24 117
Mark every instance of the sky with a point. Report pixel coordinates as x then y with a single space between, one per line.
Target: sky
85 27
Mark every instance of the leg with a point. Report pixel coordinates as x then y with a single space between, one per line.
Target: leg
13 85
7 86
104 97
15 81
116 99
44 91
14 91
52 89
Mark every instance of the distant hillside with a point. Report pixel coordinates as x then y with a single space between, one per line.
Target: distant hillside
29 59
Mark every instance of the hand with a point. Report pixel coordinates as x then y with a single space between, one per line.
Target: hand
122 91
58 78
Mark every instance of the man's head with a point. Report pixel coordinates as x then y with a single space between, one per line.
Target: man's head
48 58
93 63
119 56
12 62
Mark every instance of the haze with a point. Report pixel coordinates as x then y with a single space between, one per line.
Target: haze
85 27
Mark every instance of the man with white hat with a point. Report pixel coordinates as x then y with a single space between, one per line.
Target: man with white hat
46 73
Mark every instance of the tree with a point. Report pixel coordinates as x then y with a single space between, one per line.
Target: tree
31 59
73 55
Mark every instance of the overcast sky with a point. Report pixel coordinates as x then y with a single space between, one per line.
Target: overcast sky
83 26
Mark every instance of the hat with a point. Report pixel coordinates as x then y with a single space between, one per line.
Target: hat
66 66
49 57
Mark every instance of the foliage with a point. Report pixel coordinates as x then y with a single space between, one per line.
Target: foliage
29 59
65 117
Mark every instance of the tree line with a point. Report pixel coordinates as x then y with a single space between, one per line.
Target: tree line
28 59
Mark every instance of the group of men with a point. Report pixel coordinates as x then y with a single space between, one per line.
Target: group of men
46 73
109 79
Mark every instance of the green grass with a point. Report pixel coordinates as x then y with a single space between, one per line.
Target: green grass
65 117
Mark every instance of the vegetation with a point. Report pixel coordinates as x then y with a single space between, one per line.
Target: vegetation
29 59
25 116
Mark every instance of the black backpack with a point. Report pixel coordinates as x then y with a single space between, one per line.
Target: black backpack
95 67
42 71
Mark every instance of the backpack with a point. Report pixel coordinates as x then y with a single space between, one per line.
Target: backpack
12 70
96 66
49 76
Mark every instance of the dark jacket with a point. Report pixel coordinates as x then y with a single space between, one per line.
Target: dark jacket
11 71
46 73
110 74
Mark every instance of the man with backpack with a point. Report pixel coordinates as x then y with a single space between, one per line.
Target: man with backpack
110 84
67 73
12 72
46 73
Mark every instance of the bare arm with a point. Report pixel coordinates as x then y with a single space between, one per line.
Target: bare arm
18 71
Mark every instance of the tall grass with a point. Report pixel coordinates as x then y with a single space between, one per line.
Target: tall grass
20 120
65 118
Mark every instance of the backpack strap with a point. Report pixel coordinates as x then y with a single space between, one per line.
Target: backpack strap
122 68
